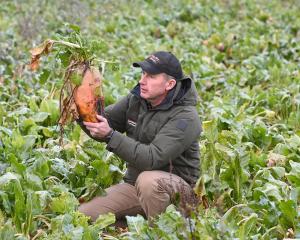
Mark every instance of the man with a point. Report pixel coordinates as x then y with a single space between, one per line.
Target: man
160 147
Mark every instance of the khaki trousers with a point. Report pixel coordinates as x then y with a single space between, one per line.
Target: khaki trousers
149 197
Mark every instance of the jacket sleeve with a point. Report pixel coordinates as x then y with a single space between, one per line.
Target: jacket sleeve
172 140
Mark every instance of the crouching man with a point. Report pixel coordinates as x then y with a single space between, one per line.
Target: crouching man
160 146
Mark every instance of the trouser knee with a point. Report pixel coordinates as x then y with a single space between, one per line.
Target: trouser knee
146 184
152 194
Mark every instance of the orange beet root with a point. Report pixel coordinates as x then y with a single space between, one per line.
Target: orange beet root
87 95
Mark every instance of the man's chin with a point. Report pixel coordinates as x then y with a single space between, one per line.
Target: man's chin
144 96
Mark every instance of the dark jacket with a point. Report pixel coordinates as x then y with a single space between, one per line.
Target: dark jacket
161 138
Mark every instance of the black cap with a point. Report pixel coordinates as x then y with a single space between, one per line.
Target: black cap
161 62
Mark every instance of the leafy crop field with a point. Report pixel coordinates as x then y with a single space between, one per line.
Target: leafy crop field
245 59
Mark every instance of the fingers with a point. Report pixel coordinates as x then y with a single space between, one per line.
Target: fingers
92 134
99 129
90 124
101 119
91 129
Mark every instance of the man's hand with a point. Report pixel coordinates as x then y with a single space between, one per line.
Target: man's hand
100 129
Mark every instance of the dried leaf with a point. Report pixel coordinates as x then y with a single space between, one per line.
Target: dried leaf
45 47
37 52
34 64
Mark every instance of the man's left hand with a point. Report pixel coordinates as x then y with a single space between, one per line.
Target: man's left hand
100 129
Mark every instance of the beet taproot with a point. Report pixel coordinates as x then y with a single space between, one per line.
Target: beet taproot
87 95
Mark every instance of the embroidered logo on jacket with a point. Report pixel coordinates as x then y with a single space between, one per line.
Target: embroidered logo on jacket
131 123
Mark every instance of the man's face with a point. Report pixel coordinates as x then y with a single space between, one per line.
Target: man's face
154 87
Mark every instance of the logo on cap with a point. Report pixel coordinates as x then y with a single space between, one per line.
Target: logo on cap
154 59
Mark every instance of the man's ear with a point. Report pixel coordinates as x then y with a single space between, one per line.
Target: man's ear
171 83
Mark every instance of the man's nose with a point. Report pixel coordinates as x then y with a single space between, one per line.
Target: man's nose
143 79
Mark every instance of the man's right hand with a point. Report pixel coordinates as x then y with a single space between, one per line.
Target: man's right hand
100 129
